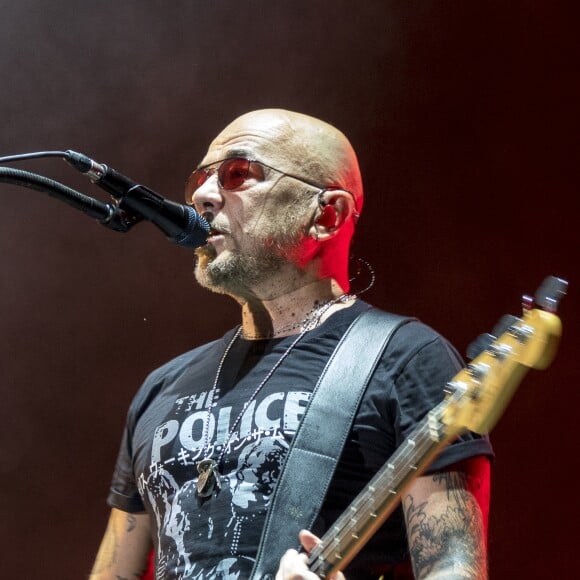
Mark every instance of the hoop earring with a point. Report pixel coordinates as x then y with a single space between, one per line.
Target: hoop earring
359 263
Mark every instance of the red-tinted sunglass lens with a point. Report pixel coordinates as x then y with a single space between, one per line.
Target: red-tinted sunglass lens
198 178
194 182
233 172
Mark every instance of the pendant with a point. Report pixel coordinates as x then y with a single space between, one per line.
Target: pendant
209 478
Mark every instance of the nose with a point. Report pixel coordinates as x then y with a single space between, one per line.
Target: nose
207 197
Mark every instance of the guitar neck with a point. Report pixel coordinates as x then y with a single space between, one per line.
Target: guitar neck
477 396
377 501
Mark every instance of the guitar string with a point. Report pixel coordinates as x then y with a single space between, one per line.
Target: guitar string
365 503
350 524
385 480
322 556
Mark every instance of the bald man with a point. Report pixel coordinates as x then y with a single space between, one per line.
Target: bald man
208 432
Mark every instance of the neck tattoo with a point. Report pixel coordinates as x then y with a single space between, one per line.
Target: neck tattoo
209 479
310 321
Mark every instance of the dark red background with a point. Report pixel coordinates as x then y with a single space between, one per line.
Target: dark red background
464 115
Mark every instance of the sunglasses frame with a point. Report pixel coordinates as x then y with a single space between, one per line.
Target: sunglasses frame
322 188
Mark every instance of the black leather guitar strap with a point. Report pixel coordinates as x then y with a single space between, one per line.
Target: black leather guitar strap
321 435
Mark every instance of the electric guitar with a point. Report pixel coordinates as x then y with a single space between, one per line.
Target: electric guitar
475 399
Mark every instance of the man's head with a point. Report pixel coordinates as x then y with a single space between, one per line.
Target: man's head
282 192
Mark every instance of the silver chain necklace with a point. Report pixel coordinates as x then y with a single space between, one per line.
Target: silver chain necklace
209 479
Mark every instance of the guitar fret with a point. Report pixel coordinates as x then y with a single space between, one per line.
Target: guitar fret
434 426
371 504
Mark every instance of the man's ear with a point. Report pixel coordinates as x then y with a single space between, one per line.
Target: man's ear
334 209
327 217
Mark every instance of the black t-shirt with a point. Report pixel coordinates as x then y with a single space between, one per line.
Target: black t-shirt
165 438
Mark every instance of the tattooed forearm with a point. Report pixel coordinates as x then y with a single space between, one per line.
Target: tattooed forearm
447 537
125 548
107 554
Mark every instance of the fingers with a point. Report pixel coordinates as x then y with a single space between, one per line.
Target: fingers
293 565
308 540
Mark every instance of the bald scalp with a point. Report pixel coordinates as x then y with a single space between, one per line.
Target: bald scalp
299 144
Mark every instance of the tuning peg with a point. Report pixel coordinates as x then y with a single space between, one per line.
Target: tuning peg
550 292
504 323
481 343
484 341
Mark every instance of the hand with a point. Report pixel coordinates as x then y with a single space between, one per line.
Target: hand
293 565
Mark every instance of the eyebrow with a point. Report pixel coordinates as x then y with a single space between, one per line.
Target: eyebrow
231 154
237 153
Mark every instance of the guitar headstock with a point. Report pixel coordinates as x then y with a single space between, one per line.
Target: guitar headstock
479 393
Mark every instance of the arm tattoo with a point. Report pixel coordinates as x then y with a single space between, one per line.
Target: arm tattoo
111 551
452 539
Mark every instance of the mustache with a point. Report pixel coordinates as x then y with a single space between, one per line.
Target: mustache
214 226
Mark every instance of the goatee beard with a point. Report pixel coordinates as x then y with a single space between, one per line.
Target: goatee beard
235 273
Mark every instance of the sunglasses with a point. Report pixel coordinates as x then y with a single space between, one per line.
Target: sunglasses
232 173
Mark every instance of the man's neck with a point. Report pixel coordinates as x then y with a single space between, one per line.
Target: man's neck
293 311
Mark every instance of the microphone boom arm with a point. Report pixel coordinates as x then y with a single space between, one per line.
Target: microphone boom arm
131 204
107 214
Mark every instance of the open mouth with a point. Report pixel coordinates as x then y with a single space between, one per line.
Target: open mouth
214 232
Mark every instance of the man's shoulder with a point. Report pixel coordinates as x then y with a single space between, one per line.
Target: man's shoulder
412 329
415 338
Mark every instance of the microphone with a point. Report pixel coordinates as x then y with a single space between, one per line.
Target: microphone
180 223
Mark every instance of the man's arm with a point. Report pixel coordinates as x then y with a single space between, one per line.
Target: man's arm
446 516
125 547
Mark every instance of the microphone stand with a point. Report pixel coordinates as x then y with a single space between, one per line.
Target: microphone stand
132 203
107 214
